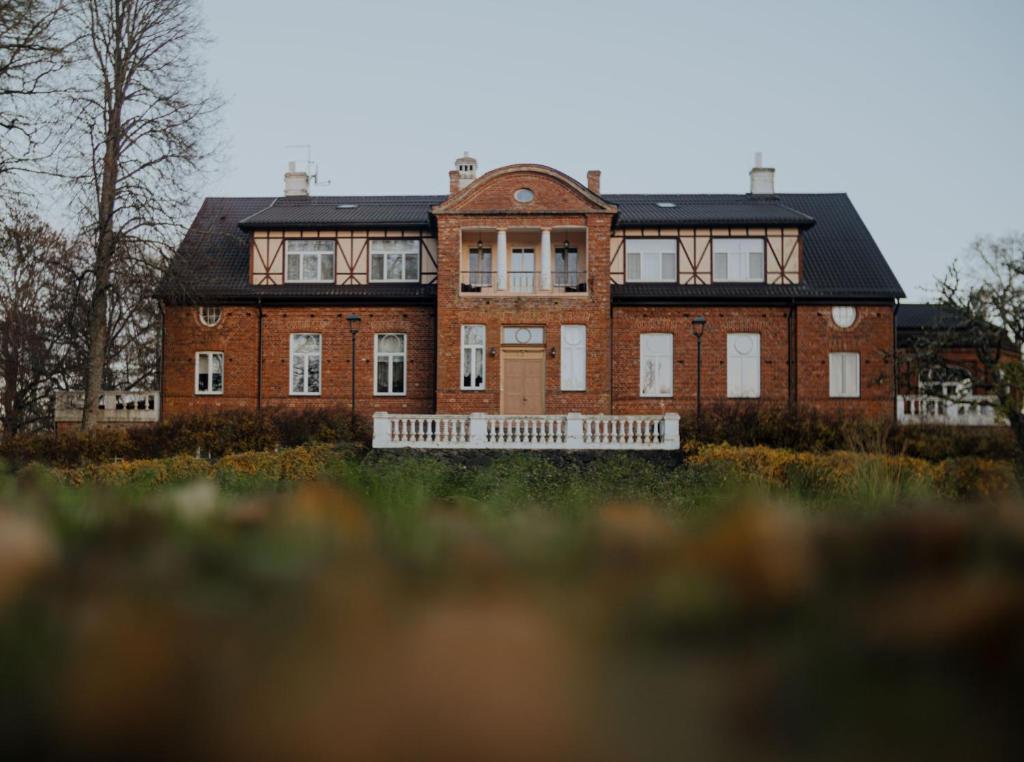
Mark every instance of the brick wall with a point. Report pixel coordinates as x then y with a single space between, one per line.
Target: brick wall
816 336
237 336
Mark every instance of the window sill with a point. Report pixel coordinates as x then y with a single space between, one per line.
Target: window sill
304 394
209 394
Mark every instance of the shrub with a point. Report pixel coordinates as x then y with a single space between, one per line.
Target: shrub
213 435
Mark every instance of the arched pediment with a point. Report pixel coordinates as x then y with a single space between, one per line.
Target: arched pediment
552 191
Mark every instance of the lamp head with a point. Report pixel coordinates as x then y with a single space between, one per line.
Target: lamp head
698 324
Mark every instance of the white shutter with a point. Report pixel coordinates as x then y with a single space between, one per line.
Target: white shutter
844 374
574 358
744 365
656 365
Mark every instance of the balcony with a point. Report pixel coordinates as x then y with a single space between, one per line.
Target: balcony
968 410
572 431
115 407
517 262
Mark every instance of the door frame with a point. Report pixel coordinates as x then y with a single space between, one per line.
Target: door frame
520 350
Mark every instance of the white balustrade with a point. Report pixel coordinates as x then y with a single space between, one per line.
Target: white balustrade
112 407
572 431
970 410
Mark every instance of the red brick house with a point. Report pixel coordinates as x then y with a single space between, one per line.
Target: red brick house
524 293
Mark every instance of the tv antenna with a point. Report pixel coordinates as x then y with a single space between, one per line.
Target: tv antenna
311 166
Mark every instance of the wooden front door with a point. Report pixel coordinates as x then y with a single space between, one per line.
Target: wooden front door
522 382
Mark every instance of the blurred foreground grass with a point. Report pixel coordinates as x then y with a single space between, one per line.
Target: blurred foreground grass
317 604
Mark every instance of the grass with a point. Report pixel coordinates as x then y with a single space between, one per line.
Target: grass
318 603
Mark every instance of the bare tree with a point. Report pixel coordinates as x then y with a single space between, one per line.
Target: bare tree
33 46
142 114
985 292
30 327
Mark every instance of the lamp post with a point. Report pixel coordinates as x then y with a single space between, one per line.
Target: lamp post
698 324
353 327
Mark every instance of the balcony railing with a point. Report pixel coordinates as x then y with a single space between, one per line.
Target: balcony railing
523 281
572 431
969 410
113 407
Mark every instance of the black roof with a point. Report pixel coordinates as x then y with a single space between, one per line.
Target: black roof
916 317
841 259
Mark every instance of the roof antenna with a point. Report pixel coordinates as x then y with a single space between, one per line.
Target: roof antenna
757 160
311 166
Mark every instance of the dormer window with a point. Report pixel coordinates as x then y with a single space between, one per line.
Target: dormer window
651 260
309 261
395 261
738 260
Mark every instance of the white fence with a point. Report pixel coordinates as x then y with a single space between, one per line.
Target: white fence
114 407
572 431
966 411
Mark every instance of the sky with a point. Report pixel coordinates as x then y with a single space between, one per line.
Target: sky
914 109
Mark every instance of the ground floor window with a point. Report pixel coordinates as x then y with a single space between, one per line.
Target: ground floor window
305 363
844 374
389 360
209 372
473 351
744 365
656 365
574 358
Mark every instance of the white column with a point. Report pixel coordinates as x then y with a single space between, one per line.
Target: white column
545 259
502 255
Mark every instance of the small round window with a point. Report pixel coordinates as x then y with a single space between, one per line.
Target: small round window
844 317
524 195
209 316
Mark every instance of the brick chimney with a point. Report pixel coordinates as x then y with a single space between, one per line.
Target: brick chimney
762 179
465 169
295 183
594 181
453 182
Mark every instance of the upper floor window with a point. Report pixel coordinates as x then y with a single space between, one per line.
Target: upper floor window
209 316
567 271
651 259
739 260
209 372
844 317
480 270
309 261
844 374
305 364
389 359
656 365
395 260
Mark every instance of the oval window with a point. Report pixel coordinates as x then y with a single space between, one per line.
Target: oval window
524 195
844 317
209 316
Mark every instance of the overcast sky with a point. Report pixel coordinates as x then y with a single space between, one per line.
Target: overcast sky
915 109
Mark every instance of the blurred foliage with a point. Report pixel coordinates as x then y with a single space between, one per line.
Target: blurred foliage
740 605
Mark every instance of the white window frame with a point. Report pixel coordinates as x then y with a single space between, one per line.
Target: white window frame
668 364
413 247
378 356
305 367
844 316
210 315
302 255
209 392
740 258
566 361
480 348
845 390
732 392
658 248
483 274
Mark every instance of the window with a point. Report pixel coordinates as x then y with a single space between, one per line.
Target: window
521 334
844 374
524 195
480 272
744 365
389 359
844 317
309 261
305 363
395 260
474 371
574 358
739 259
209 372
567 267
651 259
522 271
209 316
656 365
